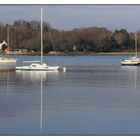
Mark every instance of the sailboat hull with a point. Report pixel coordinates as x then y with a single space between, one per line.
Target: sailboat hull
134 61
28 69
38 67
138 64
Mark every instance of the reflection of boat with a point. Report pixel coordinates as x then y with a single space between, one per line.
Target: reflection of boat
35 75
133 60
38 77
6 66
31 76
128 68
39 66
131 73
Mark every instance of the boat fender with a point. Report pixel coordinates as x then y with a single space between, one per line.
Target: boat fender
64 69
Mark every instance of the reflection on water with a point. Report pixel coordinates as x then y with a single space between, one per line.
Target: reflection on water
41 104
132 70
86 100
7 66
34 76
15 104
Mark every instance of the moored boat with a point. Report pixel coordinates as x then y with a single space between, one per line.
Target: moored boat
7 60
39 66
132 61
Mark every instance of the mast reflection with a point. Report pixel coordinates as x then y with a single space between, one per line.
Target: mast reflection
39 77
132 72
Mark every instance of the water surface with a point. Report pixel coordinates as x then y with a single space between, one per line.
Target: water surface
96 96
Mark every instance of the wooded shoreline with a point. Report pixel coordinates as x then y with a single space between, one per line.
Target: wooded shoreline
25 35
76 53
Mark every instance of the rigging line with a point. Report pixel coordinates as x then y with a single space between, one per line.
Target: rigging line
41 33
136 44
53 45
50 36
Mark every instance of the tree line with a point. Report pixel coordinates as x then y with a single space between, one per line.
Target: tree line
26 35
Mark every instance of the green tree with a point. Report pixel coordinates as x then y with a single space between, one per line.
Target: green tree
120 39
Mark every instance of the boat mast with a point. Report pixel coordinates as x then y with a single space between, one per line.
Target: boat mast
41 36
135 44
7 36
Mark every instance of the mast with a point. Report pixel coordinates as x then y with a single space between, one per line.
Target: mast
135 44
7 36
41 36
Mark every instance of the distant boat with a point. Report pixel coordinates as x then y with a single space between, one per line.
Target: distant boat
132 61
39 66
7 60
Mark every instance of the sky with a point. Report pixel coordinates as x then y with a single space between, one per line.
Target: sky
68 17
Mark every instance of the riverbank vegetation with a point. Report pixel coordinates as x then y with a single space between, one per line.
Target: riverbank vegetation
26 35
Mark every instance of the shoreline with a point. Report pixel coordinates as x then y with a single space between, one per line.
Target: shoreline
118 53
74 53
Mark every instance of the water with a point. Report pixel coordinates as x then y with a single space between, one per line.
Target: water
96 96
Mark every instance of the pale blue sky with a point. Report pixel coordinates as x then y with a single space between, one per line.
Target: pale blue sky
68 17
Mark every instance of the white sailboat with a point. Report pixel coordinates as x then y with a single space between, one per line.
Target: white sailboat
39 66
133 61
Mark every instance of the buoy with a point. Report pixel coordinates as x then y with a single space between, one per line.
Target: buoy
64 69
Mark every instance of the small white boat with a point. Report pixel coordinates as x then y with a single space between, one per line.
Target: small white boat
7 60
38 67
132 61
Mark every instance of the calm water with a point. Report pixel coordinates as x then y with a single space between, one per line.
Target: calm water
96 96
